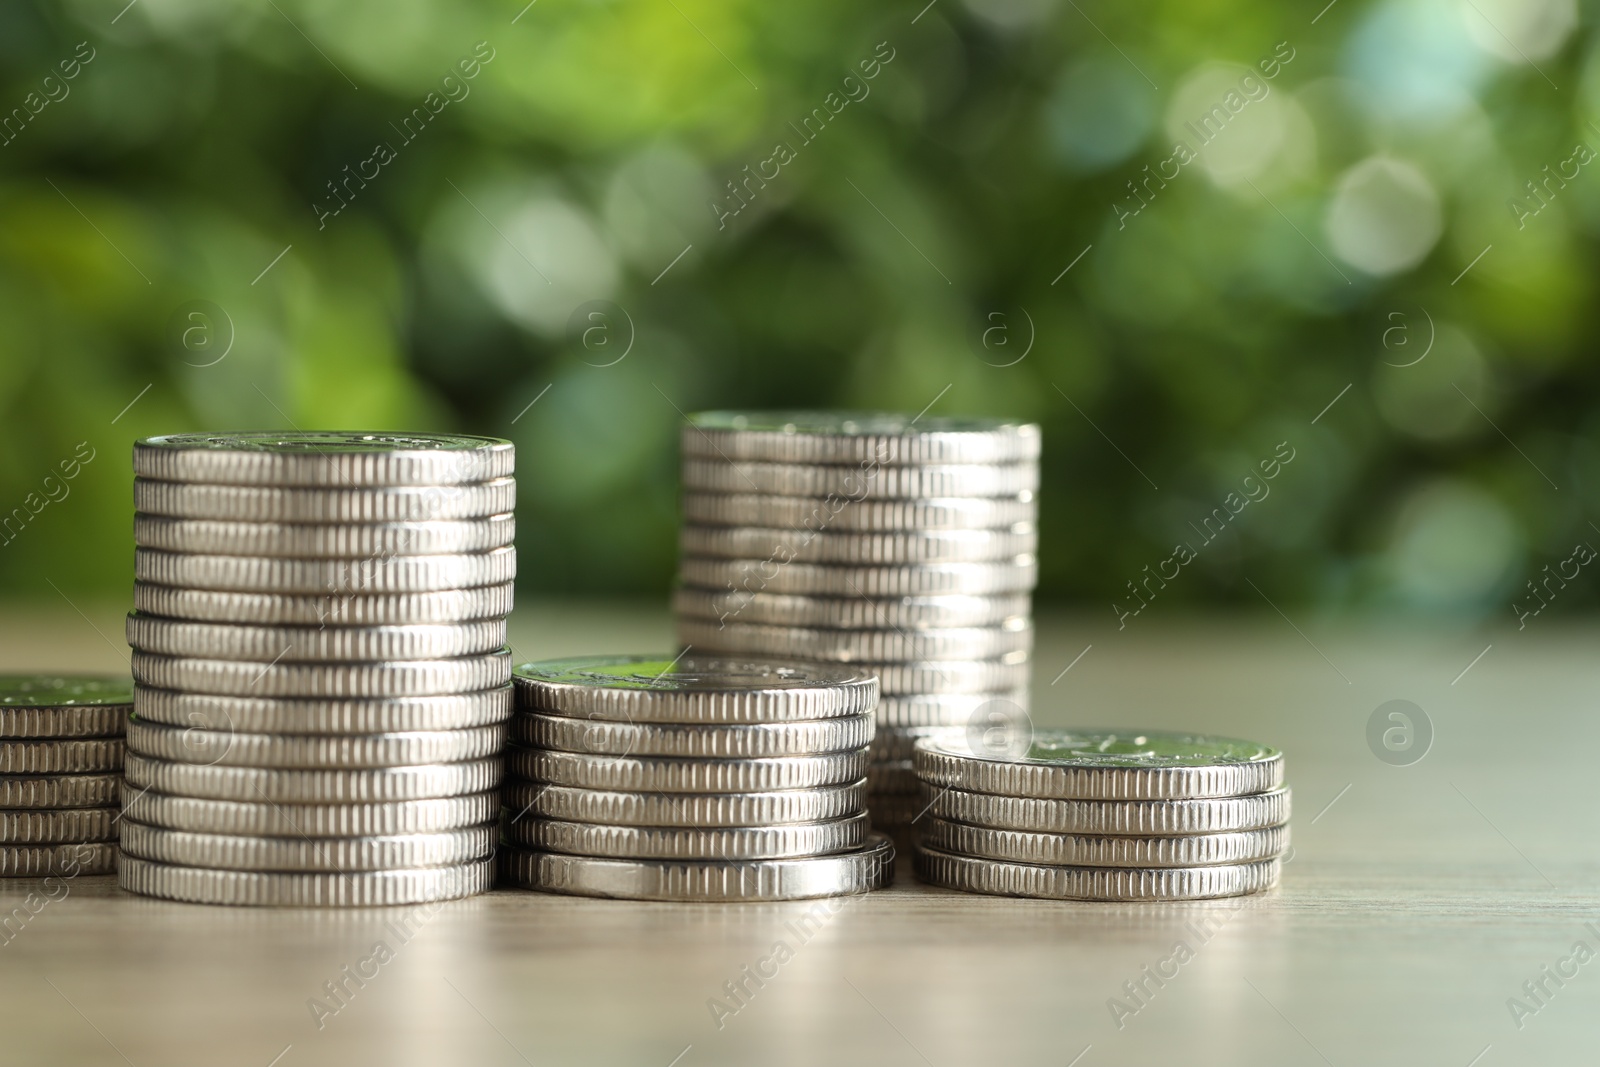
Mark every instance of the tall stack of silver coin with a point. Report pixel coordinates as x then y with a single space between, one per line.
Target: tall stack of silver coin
901 545
61 752
695 779
322 688
1100 814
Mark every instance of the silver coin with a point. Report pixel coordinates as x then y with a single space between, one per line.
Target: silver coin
316 786
838 512
684 809
893 744
859 481
850 613
311 820
999 878
265 574
233 852
693 689
891 778
63 706
309 644
1124 818
857 646
863 870
426 677
249 503
1117 764
75 756
361 889
64 860
946 709
18 723
856 549
228 748
59 825
951 675
743 576
1081 850
688 843
857 437
269 715
669 775
335 609
60 790
323 457
323 541
694 741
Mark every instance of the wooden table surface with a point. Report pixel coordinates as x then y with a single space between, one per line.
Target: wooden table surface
1418 900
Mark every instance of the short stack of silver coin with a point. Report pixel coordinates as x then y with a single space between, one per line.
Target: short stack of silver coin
1100 815
691 779
61 753
902 545
322 683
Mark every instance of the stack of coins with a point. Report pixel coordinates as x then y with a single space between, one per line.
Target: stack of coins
322 688
60 768
1101 815
902 545
693 779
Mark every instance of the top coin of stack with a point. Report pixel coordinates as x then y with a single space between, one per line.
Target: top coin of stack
61 753
694 778
902 545
322 684
1100 815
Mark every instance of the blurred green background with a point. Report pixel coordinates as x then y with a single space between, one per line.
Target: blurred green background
274 213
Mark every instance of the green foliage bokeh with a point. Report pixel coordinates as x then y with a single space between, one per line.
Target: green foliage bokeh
911 245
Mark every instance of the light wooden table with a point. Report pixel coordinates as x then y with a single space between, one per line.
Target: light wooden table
1418 900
